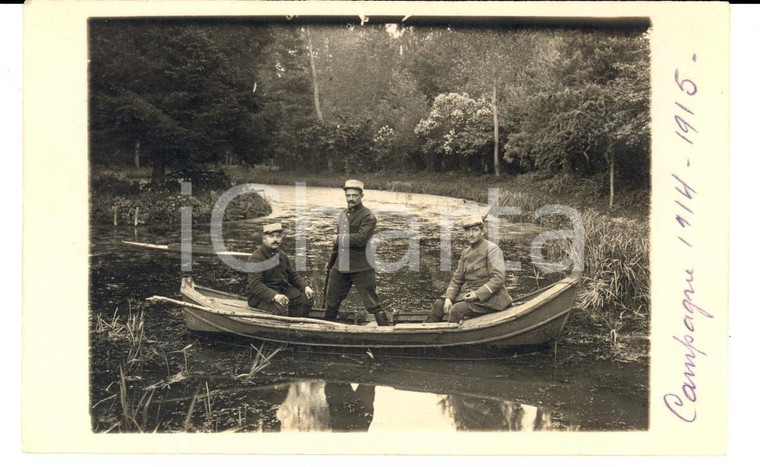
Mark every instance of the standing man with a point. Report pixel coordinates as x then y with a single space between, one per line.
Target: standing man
477 286
348 263
275 286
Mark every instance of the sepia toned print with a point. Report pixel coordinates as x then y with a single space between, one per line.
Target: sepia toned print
304 224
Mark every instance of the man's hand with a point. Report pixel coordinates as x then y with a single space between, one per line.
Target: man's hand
309 292
447 305
281 300
470 296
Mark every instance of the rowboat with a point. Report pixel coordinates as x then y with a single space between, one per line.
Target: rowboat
197 250
534 319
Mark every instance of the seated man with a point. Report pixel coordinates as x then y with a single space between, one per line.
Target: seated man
477 286
274 285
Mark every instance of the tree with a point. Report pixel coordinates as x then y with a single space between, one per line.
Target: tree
456 132
180 89
589 107
284 78
500 58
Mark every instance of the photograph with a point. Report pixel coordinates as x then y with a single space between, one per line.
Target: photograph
302 222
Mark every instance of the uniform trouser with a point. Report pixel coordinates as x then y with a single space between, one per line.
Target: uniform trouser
340 285
458 311
299 305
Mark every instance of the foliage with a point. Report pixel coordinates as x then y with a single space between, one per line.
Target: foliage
550 101
285 89
457 130
616 286
162 206
178 88
589 100
616 266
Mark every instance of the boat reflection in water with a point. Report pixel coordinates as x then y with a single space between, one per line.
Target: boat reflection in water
340 406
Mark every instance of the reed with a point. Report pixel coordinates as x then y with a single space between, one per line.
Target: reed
616 286
135 334
261 360
135 416
208 409
112 327
132 330
208 405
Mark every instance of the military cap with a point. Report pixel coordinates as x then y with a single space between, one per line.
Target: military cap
270 228
472 221
355 184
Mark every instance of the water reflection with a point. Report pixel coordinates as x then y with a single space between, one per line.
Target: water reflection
270 398
341 406
479 414
305 407
321 406
350 409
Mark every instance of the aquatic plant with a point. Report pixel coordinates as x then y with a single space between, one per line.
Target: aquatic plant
134 412
617 265
261 360
207 402
113 325
616 286
207 405
131 331
135 334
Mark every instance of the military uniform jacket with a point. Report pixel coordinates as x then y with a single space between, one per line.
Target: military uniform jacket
481 270
360 224
264 285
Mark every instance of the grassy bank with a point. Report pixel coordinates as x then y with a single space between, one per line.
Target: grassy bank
127 198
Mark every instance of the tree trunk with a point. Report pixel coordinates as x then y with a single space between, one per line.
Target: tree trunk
137 153
611 155
495 134
314 77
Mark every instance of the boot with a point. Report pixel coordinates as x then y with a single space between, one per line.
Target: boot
331 314
380 317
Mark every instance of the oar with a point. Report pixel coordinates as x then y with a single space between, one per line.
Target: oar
197 250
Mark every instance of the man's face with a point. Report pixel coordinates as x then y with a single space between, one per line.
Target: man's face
473 234
272 240
353 197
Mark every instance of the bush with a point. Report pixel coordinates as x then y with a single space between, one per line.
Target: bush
113 183
127 193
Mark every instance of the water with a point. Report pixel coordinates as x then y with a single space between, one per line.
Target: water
182 381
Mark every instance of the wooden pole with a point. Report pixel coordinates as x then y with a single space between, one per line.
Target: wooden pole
137 213
115 215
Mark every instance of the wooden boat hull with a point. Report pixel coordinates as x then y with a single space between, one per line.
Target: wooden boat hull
533 320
